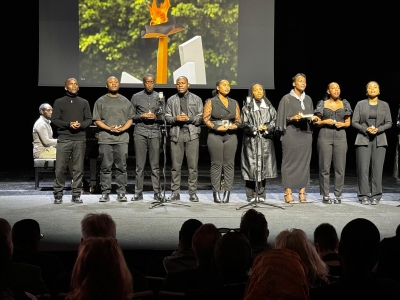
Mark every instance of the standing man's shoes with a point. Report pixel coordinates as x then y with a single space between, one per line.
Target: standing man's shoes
58 199
104 198
226 196
194 198
121 197
337 200
365 201
137 197
326 200
374 202
216 197
174 197
76 199
158 197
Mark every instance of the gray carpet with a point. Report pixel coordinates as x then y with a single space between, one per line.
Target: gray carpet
139 227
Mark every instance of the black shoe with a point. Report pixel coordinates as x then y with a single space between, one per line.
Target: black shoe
104 198
226 197
121 197
337 200
194 198
58 199
217 198
137 197
174 197
365 201
326 200
158 197
374 202
76 199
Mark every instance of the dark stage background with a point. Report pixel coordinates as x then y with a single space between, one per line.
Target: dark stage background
339 41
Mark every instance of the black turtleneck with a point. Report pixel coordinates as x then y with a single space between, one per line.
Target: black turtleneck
71 108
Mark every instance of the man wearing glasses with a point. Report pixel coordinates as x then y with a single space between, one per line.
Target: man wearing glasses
146 136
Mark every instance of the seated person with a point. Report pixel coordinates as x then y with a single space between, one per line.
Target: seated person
17 277
26 237
326 242
44 145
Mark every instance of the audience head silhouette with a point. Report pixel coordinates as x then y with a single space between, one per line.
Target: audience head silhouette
26 234
359 243
254 226
296 240
326 238
232 257
98 225
6 245
100 271
186 233
203 243
277 274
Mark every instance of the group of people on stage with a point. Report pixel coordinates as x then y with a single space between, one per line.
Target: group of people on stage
184 112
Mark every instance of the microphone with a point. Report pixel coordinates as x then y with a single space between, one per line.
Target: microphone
248 101
248 104
160 102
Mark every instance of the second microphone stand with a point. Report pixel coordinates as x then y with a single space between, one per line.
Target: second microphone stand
256 202
161 115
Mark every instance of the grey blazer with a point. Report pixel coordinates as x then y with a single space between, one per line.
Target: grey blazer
361 116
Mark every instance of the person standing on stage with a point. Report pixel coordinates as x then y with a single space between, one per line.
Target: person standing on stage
113 114
147 136
332 142
184 112
71 114
396 165
371 118
294 123
44 145
221 115
258 160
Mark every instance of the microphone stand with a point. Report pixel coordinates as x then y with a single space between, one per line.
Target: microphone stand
161 114
256 202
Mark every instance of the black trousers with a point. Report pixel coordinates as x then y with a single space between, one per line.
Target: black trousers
116 155
66 150
332 148
222 148
370 160
184 146
143 145
253 191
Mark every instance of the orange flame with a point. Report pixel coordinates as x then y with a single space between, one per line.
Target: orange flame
159 14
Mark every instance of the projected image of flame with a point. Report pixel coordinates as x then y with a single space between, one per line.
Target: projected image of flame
159 15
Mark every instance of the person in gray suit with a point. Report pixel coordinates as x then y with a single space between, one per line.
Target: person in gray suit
371 118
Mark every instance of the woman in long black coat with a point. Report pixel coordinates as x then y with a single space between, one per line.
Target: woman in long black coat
258 160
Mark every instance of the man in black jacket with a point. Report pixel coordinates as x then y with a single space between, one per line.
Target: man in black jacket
184 112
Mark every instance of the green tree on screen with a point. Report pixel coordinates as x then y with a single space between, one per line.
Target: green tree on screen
110 37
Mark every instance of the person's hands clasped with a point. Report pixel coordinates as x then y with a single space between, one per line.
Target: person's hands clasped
75 125
116 128
182 118
315 119
372 130
262 127
148 116
296 118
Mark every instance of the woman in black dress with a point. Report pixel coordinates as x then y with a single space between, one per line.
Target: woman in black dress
371 118
294 122
258 160
221 115
332 141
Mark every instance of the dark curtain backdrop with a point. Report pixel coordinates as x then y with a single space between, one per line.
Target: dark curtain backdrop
328 41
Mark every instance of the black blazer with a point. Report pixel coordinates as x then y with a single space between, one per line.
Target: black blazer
361 116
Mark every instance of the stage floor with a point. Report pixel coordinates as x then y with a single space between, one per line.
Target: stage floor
140 228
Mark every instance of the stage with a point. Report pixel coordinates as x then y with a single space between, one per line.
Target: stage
142 228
